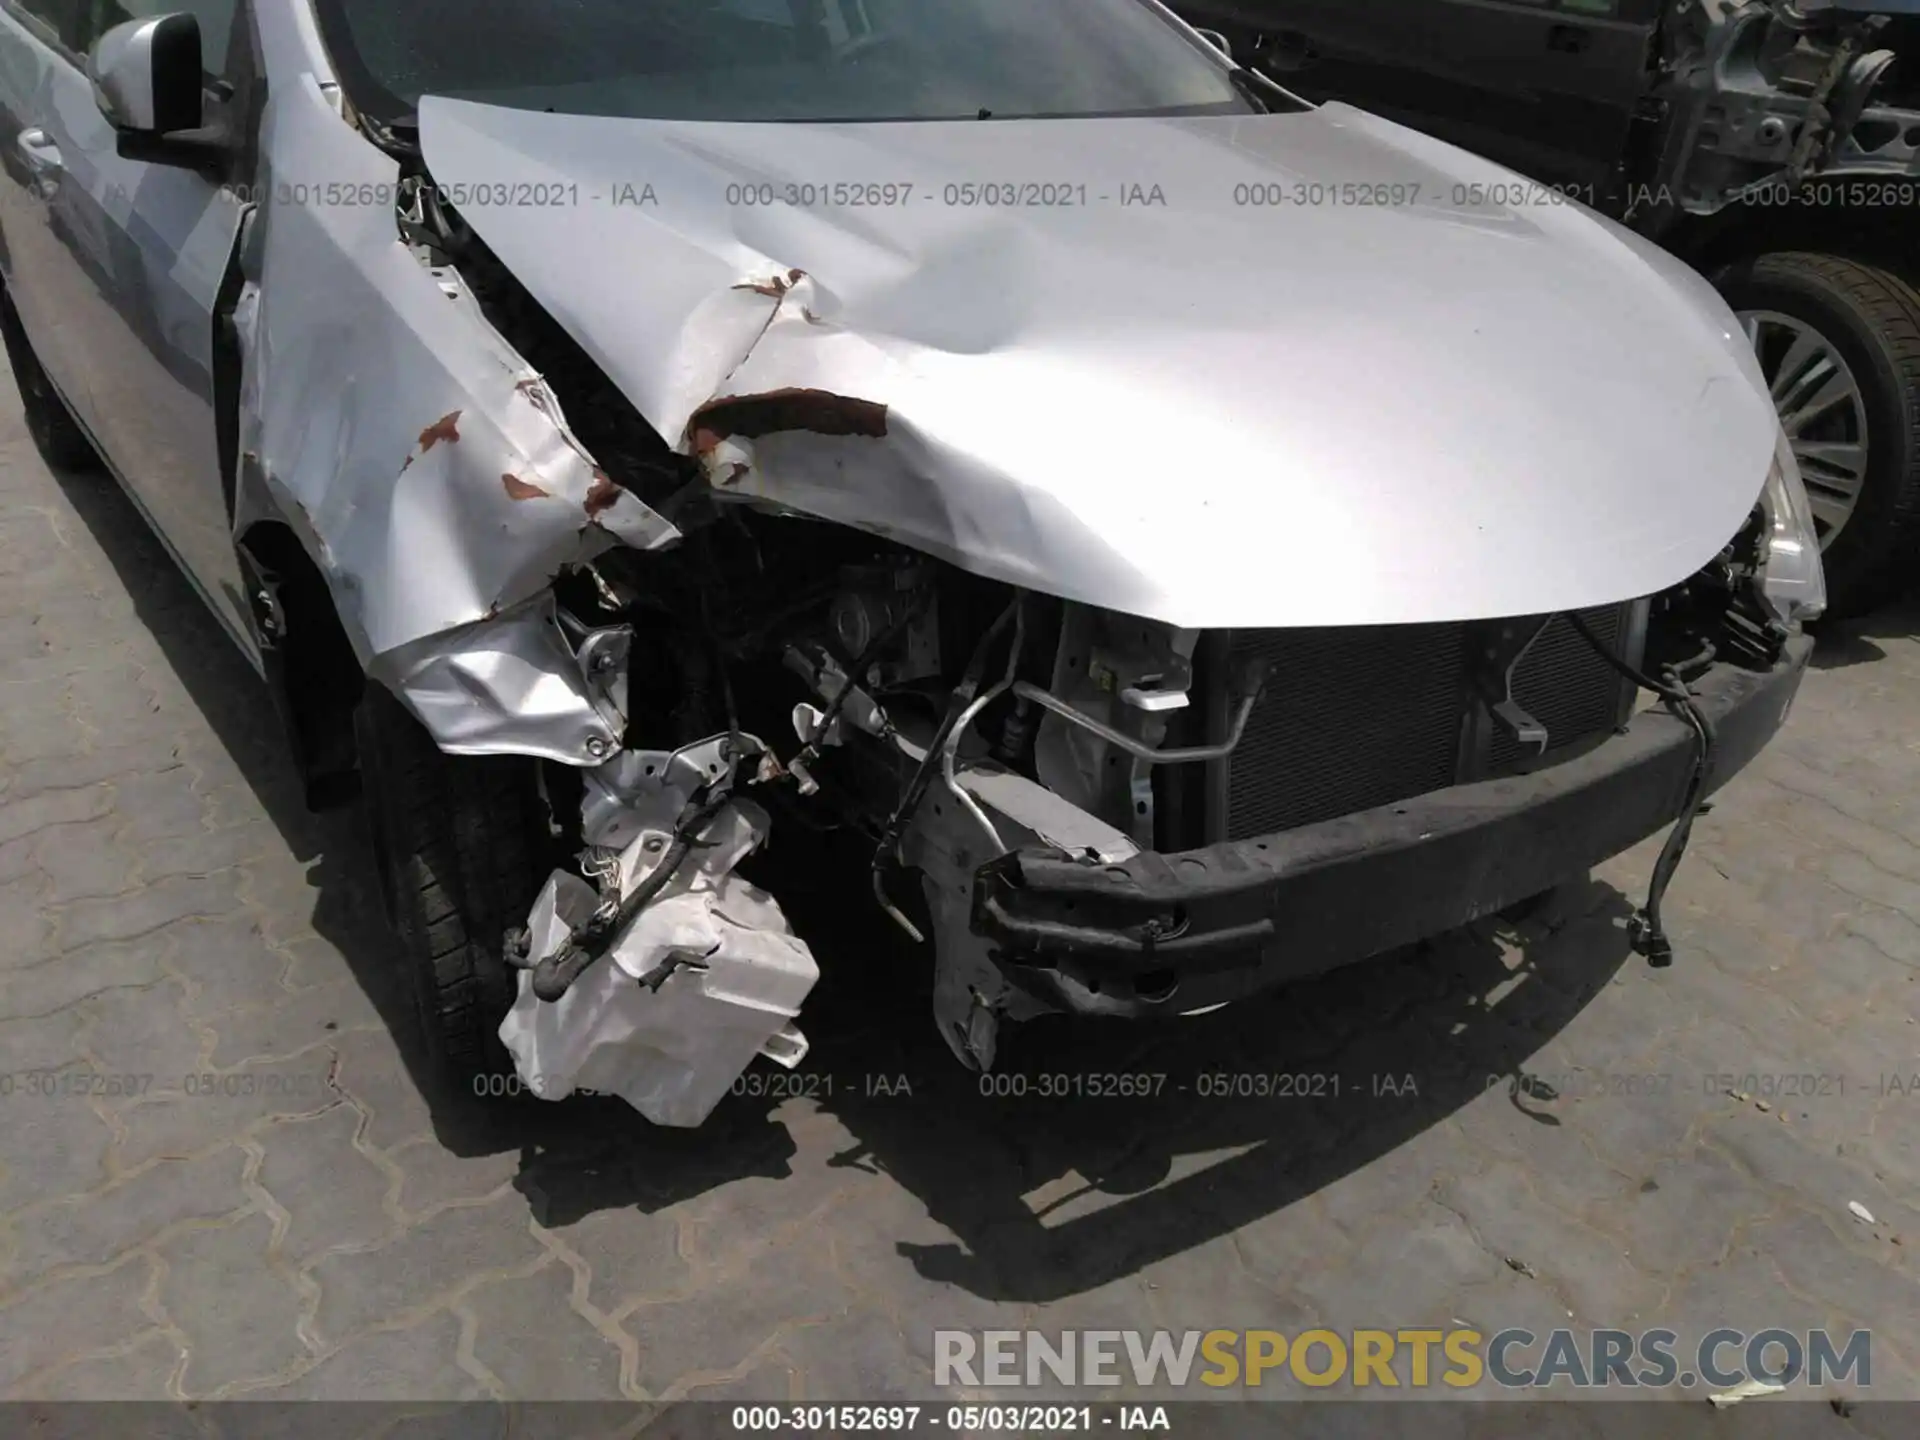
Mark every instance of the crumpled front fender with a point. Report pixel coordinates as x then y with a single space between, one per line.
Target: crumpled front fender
427 469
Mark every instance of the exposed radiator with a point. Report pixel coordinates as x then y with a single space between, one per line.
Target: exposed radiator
1352 719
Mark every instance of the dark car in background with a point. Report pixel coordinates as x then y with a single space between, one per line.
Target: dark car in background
1773 145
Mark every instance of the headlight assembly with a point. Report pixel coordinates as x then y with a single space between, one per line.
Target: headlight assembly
1790 575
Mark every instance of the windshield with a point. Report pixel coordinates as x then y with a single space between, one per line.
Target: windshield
778 59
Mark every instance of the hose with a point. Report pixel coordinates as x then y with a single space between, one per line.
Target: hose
950 748
1645 930
856 675
554 976
963 693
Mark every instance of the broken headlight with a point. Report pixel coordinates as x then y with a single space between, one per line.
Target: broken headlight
1790 575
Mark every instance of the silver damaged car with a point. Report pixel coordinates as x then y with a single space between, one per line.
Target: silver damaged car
1197 538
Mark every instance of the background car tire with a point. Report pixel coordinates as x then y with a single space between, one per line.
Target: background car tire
1872 318
459 845
56 434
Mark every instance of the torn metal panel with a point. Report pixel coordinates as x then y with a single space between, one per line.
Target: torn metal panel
1201 411
817 412
971 993
513 685
705 978
429 470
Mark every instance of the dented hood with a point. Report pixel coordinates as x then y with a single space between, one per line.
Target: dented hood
1268 370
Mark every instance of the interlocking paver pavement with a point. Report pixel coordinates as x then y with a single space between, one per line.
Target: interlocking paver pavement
303 1217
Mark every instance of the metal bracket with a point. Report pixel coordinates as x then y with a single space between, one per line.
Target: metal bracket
603 665
1504 646
1152 696
607 810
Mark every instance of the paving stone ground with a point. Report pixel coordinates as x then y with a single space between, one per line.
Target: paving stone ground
238 1184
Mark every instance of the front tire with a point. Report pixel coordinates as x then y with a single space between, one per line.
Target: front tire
1860 451
55 433
460 845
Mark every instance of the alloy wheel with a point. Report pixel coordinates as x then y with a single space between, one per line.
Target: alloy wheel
1822 410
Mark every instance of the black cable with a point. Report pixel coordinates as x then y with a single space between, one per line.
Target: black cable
720 661
875 647
554 976
963 695
1644 930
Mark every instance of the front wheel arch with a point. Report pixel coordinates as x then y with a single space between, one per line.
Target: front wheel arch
310 664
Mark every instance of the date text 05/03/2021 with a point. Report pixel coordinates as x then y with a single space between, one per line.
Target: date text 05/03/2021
959 1419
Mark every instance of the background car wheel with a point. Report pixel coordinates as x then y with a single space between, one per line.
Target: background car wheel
1840 344
56 434
461 851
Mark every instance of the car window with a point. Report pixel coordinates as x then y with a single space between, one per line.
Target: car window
215 17
60 22
777 59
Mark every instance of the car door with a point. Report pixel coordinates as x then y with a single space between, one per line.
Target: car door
38 38
136 259
1548 87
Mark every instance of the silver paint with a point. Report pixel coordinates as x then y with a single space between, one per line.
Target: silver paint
512 685
428 467
1205 412
1208 413
121 69
116 268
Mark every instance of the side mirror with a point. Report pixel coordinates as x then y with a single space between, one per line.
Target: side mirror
1217 40
149 81
147 75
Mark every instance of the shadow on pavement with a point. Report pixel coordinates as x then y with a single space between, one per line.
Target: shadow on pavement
1096 1149
1844 643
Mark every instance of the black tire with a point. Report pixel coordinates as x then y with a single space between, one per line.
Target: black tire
1872 317
56 434
459 845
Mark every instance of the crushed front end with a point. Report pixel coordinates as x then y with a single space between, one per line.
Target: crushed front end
723 543
1082 811
1077 810
1091 813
